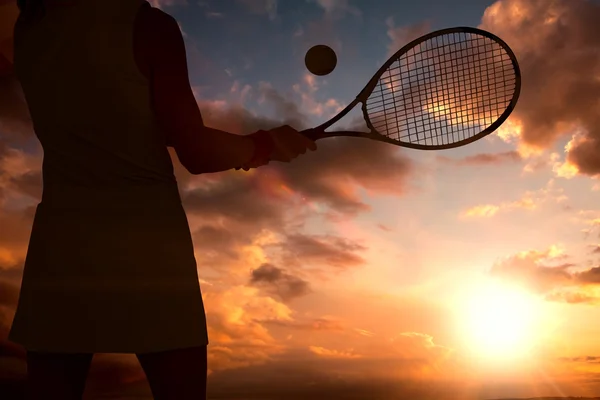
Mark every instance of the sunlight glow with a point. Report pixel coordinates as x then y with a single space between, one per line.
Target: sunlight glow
499 322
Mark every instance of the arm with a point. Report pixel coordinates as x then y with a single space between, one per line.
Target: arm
199 148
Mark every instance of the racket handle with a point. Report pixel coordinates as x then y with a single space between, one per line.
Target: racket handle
313 134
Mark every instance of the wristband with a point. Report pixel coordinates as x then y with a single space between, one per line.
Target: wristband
263 147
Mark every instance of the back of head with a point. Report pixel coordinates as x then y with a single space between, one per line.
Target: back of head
30 8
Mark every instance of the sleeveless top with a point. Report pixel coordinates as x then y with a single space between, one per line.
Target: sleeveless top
90 105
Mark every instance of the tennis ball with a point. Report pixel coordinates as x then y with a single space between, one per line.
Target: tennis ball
320 60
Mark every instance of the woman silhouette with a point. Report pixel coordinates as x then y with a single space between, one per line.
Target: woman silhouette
110 266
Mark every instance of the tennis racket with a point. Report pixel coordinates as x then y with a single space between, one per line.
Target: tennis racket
443 90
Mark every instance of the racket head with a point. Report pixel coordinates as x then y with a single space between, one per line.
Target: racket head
443 90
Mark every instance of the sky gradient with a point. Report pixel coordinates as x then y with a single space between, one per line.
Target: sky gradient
364 270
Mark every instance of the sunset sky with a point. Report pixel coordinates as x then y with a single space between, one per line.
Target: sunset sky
363 268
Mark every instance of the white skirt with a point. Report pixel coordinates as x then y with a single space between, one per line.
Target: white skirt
104 276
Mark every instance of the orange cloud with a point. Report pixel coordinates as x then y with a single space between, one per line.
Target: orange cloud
547 273
530 200
321 351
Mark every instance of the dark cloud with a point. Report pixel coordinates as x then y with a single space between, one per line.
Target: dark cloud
300 249
336 376
278 282
284 106
237 199
591 276
484 159
260 7
584 359
217 240
384 228
332 174
556 44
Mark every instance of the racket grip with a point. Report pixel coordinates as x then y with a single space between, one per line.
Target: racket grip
313 134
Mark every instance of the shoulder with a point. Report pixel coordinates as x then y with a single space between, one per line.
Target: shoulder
157 33
157 19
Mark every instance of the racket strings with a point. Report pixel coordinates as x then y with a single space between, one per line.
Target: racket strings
445 90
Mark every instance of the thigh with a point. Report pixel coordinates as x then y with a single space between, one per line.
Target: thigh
176 374
56 375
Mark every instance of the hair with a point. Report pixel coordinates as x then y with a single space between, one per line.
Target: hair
30 8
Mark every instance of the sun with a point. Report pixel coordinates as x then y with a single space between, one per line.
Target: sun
499 322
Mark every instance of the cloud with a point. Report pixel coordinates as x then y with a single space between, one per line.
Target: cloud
20 172
533 269
307 90
316 324
370 370
261 7
547 273
329 353
402 35
531 200
338 8
556 44
302 250
279 283
326 30
217 240
14 238
234 315
573 298
167 3
483 159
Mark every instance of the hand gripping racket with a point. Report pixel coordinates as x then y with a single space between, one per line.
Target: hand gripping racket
442 90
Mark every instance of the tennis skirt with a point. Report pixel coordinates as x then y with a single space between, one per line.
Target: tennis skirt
110 273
